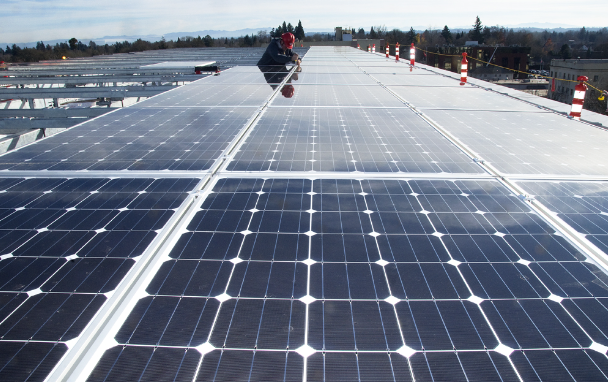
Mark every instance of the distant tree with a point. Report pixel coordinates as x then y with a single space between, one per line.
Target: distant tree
372 33
361 33
163 43
8 50
284 27
290 28
300 31
410 37
447 35
476 32
40 45
272 33
208 40
565 52
279 31
73 41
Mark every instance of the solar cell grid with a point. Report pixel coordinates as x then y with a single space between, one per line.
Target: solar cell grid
329 275
136 139
66 244
344 139
582 205
328 95
201 94
537 143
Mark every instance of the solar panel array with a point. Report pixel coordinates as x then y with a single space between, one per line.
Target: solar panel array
378 223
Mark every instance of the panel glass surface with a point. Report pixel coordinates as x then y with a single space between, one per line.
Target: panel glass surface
65 244
416 80
366 280
582 205
529 143
462 97
136 139
200 94
338 95
347 139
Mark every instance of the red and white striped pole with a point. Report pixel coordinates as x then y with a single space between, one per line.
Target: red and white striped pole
579 98
397 51
464 68
387 50
374 48
412 54
358 46
369 48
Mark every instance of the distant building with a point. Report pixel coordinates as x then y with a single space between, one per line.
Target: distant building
595 70
344 34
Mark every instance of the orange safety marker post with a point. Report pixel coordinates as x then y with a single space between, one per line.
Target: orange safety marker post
369 48
358 46
412 54
579 98
397 52
374 48
464 69
386 50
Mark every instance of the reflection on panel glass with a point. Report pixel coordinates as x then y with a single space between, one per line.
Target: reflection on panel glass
65 246
366 140
582 205
329 278
529 143
338 95
136 139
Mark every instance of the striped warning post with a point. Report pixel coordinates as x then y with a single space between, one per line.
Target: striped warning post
464 68
397 52
412 54
369 48
374 48
579 98
387 50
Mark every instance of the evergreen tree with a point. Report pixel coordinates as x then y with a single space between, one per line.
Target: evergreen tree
290 28
300 31
279 31
372 33
411 36
447 35
284 27
476 32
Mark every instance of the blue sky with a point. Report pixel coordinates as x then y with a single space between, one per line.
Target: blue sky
35 20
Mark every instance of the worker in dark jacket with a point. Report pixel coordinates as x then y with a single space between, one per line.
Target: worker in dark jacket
279 51
272 63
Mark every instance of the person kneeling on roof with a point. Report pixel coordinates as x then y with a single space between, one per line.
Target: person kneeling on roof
279 53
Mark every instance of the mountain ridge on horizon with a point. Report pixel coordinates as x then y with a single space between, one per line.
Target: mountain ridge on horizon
241 32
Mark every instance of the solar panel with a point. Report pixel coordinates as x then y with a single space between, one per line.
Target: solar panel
366 140
137 139
344 95
528 143
331 269
65 247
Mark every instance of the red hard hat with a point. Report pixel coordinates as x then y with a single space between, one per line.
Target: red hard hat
288 39
288 91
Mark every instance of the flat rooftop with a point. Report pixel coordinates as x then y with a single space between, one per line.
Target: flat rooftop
359 220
